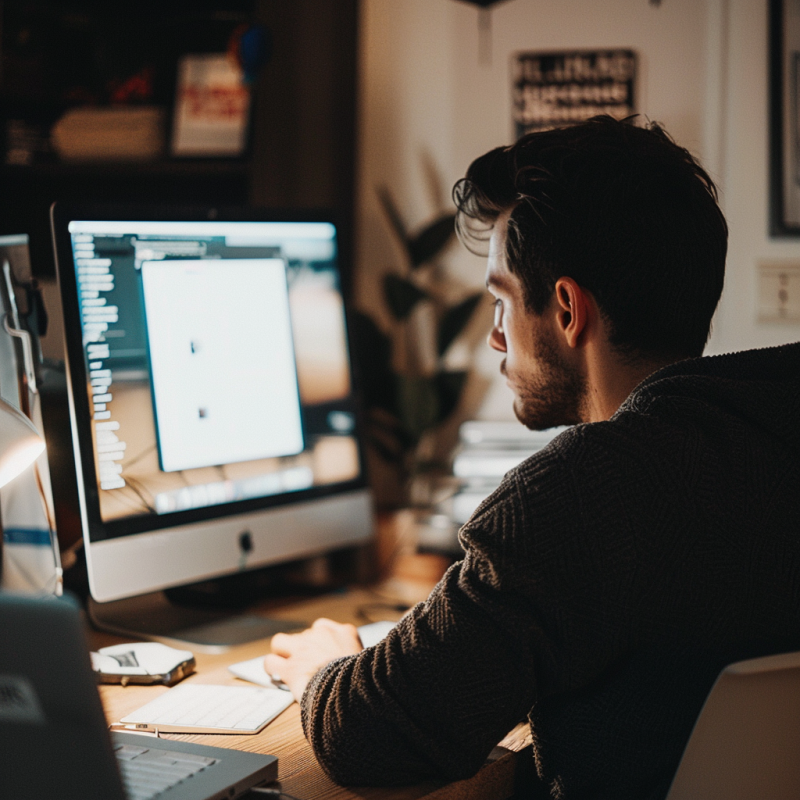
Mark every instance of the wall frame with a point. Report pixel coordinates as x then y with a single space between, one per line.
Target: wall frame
784 93
569 86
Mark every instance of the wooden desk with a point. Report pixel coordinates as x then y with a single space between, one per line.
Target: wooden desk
299 773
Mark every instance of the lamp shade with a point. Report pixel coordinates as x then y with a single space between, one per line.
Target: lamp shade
20 443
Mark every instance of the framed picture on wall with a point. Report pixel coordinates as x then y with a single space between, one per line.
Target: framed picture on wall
784 53
550 89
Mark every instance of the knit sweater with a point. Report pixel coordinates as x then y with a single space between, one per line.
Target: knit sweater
604 586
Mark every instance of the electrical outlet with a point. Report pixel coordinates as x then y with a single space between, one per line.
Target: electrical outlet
779 291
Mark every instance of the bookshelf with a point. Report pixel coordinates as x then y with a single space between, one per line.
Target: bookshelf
301 143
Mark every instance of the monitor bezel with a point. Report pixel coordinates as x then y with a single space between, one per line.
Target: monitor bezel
95 529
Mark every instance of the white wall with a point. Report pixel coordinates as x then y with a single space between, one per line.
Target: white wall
745 171
426 97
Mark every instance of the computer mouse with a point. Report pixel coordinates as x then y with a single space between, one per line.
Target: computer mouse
143 663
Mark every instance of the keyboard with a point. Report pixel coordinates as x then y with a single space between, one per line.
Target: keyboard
146 773
201 708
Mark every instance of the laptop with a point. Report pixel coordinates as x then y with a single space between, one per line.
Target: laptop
54 740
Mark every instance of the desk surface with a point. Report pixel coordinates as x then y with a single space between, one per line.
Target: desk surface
298 771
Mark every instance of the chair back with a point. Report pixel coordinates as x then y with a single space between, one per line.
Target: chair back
746 742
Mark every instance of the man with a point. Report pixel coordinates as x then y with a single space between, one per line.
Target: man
612 575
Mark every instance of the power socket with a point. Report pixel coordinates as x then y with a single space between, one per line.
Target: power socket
779 291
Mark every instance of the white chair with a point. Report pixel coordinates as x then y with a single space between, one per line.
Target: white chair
746 742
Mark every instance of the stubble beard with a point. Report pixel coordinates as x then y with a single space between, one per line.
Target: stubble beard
555 396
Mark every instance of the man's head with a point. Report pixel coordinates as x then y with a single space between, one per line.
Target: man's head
624 216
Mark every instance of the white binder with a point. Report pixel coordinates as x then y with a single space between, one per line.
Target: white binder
30 560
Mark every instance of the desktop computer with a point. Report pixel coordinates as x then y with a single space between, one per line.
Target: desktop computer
214 420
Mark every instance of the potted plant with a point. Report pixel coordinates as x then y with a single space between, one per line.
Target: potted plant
407 388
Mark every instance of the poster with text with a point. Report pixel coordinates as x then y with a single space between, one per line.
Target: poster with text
553 89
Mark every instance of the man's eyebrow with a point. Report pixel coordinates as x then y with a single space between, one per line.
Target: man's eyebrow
496 281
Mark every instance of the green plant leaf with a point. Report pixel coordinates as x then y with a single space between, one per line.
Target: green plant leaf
449 388
454 321
431 240
417 403
387 424
372 353
389 449
392 214
401 295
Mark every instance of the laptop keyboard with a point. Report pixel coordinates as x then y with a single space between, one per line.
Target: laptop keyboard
147 773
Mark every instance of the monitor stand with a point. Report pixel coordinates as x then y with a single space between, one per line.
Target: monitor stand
155 618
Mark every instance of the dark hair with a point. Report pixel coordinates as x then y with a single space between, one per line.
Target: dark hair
624 211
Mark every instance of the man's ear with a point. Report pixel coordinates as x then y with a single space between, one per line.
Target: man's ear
574 306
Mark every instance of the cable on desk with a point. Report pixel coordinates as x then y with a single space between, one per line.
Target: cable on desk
364 611
271 792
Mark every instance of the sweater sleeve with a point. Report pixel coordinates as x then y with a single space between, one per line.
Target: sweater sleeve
448 682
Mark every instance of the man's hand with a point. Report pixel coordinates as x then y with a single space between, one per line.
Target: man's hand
297 657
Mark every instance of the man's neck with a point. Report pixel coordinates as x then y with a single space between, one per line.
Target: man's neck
610 380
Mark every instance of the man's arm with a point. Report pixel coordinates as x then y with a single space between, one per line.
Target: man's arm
431 699
500 631
297 657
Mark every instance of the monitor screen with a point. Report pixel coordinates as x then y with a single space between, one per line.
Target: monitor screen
211 394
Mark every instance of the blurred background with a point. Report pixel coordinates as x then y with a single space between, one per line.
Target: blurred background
374 108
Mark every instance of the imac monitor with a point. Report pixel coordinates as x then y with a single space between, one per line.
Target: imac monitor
214 420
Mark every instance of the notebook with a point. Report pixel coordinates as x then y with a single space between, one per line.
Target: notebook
53 735
201 708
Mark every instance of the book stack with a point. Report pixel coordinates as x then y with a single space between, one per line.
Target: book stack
487 451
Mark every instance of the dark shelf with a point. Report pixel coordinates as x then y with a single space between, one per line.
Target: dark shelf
301 145
29 192
93 169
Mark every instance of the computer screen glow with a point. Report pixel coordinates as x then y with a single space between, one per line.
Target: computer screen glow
216 361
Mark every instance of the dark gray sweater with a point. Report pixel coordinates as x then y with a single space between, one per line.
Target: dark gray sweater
605 585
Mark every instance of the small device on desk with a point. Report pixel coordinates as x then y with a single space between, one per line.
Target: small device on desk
142 663
53 736
214 418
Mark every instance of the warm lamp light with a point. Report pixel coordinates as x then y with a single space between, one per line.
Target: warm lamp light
20 443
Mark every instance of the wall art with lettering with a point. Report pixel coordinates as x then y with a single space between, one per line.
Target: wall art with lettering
552 89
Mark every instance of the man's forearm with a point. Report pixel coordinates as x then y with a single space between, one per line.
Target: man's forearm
430 700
